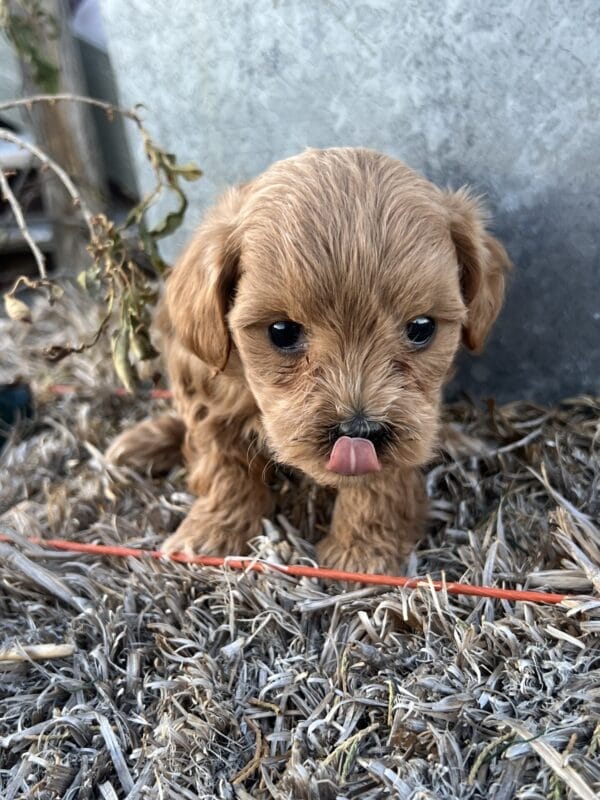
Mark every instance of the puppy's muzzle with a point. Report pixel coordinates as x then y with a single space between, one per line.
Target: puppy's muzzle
360 427
355 446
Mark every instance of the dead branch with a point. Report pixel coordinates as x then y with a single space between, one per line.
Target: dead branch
43 158
110 109
18 214
114 277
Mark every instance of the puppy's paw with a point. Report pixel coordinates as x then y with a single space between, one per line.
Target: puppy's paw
153 445
358 557
203 535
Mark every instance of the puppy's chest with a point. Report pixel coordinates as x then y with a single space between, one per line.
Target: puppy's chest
304 505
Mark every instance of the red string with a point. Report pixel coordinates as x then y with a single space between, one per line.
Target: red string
155 394
298 571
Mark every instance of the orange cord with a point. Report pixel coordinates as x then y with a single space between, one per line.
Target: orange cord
296 571
155 394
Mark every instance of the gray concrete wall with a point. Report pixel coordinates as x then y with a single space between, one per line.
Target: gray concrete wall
504 96
10 79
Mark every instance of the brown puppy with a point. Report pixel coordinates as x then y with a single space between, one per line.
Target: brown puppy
312 321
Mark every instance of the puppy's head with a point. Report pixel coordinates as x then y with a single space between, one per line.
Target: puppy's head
343 282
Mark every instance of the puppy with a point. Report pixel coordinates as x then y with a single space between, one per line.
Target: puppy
313 321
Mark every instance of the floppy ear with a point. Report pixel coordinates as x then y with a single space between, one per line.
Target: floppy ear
200 289
483 262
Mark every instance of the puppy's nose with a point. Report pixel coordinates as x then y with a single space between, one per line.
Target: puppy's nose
359 426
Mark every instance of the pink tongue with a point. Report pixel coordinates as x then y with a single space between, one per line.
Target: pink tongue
353 456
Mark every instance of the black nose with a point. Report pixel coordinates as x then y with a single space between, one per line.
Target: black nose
360 426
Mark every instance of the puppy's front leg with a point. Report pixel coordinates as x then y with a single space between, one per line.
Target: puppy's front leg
376 525
228 478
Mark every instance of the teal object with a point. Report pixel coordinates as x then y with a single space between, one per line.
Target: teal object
16 403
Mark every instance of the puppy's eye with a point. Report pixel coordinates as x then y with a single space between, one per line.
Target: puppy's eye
286 335
420 331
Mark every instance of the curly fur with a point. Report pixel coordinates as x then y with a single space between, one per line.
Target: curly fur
352 244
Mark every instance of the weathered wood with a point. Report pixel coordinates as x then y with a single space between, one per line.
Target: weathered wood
66 132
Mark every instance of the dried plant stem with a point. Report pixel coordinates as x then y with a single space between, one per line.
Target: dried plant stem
25 232
113 277
556 761
490 747
348 743
37 652
50 163
254 762
75 98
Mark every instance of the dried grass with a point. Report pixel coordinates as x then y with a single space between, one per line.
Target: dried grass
181 682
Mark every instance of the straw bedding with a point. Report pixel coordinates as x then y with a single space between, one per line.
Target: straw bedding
184 682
